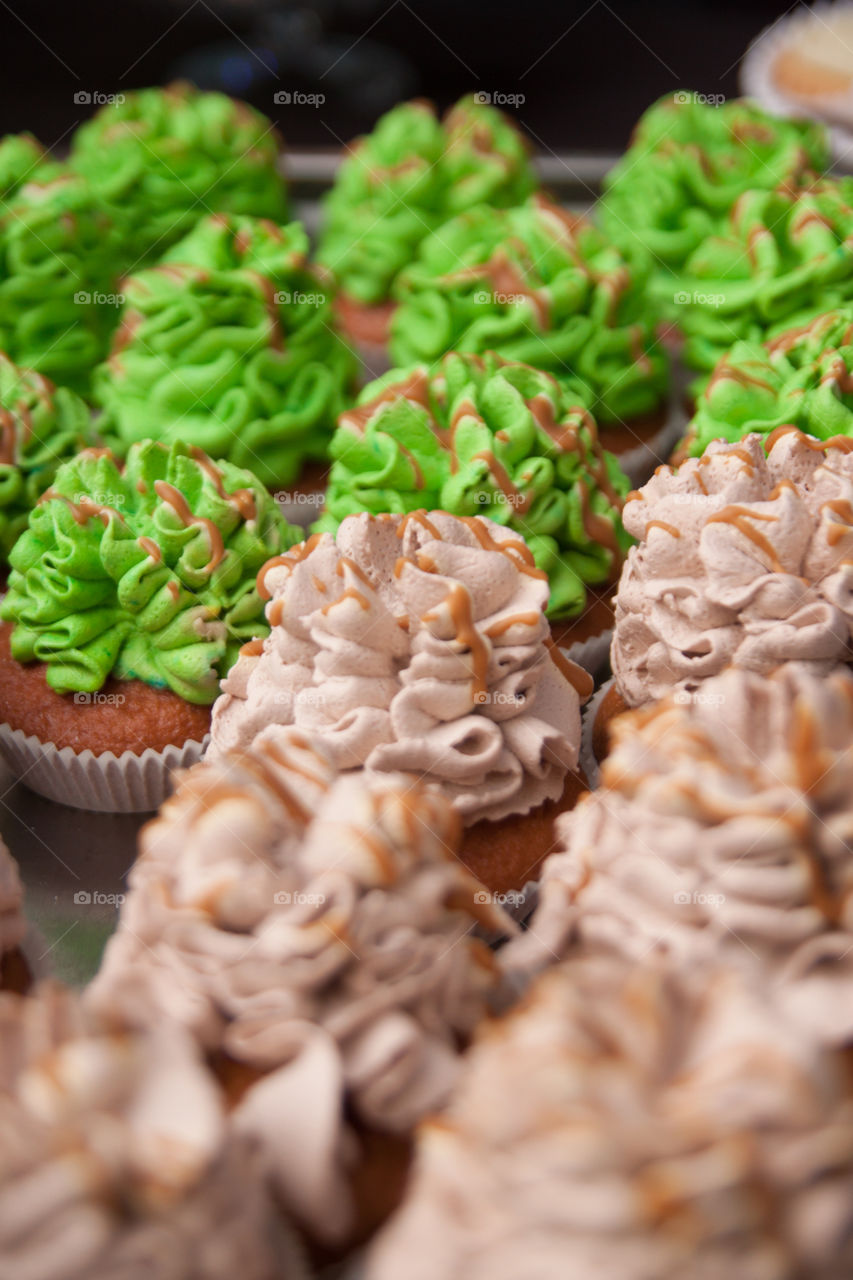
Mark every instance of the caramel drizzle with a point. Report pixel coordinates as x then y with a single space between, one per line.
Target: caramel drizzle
500 628
517 552
414 388
839 374
598 528
149 546
175 499
843 443
351 593
458 603
667 528
507 278
418 517
727 372
252 648
258 768
582 683
842 508
242 499
289 560
739 517
521 501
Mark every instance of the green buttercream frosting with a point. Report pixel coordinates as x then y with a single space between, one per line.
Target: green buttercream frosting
803 378
22 159
688 163
782 259
483 436
144 571
40 427
411 174
59 259
162 158
536 284
229 344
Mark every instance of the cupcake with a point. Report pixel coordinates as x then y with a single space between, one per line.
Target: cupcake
743 557
15 970
782 258
483 436
131 592
228 344
626 1122
690 159
721 833
117 1160
40 427
394 186
802 378
159 158
419 644
313 931
60 259
537 284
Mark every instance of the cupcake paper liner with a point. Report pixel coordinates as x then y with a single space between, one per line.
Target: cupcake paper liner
592 654
588 762
128 783
640 462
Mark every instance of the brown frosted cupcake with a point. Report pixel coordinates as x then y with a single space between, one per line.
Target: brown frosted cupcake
744 556
721 832
627 1123
132 589
116 1157
314 931
419 644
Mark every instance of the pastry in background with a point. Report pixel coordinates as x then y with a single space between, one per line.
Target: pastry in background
722 832
626 1121
315 933
41 426
692 156
419 644
117 1159
161 158
813 61
802 378
481 436
228 344
131 592
782 258
401 181
538 284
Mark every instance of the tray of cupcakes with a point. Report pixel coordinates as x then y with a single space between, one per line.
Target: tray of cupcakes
425 707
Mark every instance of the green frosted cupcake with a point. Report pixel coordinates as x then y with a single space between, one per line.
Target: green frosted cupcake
483 436
142 571
162 158
803 378
40 427
782 259
133 589
689 161
403 180
541 285
229 344
60 257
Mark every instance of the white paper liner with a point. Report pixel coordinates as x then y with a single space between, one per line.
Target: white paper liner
128 783
757 81
588 762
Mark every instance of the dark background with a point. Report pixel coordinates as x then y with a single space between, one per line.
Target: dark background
586 70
